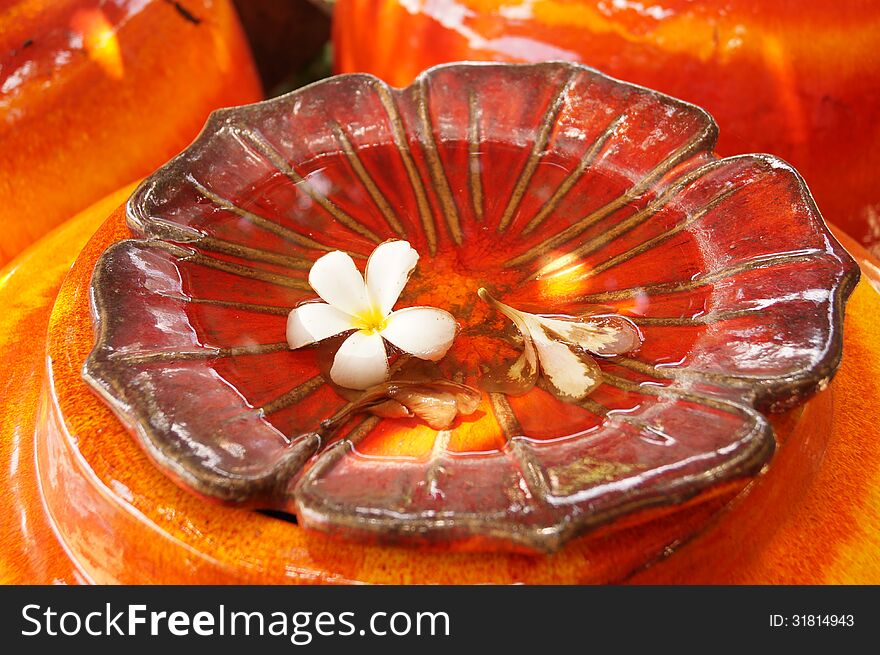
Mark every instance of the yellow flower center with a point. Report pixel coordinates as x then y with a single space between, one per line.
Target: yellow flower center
371 321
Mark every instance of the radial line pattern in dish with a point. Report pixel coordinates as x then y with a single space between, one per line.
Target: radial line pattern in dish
367 180
262 144
701 280
401 142
435 167
537 152
574 230
474 166
259 221
576 174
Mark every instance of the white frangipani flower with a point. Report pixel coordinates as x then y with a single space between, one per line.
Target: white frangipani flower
353 304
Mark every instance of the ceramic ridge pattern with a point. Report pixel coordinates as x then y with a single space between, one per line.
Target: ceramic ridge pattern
553 185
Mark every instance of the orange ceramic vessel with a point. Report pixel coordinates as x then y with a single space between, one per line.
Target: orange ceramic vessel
796 78
86 504
79 77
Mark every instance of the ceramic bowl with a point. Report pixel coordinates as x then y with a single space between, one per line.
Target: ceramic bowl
554 186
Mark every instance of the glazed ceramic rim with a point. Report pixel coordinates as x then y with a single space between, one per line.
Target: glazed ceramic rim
767 393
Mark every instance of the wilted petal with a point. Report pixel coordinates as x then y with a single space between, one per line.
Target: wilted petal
426 332
360 362
519 377
573 376
391 409
436 401
466 398
388 270
315 321
436 408
603 335
337 280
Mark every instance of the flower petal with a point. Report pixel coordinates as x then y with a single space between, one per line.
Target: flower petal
337 280
603 335
388 270
426 332
436 408
573 376
315 321
361 361
391 409
519 377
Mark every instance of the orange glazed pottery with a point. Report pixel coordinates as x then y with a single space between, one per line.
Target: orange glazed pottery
96 94
796 78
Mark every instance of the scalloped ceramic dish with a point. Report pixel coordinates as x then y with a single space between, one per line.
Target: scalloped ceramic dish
552 185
